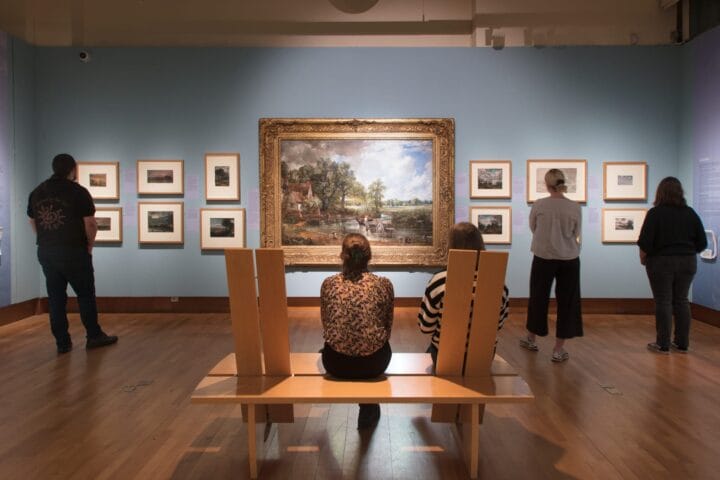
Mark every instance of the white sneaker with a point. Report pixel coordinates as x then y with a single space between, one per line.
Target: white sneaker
560 356
528 344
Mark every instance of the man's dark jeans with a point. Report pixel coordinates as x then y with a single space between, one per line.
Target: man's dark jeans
670 278
63 265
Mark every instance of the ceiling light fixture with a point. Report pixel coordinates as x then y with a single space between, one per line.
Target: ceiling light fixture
353 6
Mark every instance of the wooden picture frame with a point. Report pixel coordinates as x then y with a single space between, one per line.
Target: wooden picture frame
622 225
222 228
490 179
222 177
110 224
495 223
625 181
393 182
101 179
160 177
161 223
575 173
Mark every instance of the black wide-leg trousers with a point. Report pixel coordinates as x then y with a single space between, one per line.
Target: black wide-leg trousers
566 274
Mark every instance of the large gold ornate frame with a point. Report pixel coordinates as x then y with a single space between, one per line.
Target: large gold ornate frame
440 130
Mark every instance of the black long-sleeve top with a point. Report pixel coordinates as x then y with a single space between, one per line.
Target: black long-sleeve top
672 230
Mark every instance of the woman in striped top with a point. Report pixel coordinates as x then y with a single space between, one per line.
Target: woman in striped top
463 236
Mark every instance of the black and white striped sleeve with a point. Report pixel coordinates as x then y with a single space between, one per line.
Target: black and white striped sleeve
432 304
504 308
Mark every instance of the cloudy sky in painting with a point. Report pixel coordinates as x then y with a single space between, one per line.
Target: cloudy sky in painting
404 166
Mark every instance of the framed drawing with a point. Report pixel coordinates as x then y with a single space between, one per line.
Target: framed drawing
490 179
622 225
391 180
160 177
109 222
222 176
624 181
575 178
222 228
160 222
102 179
495 223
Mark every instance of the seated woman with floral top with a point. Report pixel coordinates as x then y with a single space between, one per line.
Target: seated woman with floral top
356 308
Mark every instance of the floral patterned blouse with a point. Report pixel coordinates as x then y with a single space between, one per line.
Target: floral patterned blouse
356 313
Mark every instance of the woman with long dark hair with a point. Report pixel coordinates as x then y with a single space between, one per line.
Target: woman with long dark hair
356 308
671 235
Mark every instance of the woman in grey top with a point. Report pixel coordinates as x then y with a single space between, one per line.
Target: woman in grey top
555 222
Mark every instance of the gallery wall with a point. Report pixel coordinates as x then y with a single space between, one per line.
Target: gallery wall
5 169
598 104
700 154
26 277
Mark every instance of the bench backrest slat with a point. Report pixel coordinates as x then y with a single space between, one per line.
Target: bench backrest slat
244 311
488 298
273 310
456 312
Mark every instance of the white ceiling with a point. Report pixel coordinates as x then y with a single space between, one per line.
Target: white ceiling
320 23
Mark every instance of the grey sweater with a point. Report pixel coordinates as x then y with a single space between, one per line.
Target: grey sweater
555 223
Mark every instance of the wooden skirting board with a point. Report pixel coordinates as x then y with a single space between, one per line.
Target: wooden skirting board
609 306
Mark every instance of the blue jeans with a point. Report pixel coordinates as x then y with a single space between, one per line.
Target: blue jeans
670 278
63 265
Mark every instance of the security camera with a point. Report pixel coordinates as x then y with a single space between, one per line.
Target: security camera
84 56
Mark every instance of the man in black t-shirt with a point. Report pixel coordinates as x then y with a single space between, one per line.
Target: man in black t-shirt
62 214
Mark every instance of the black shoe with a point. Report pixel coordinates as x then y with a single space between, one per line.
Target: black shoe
66 348
678 348
369 415
654 347
100 341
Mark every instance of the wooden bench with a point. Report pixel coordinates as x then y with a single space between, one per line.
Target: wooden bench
266 379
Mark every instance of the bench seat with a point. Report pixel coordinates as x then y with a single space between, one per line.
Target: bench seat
390 389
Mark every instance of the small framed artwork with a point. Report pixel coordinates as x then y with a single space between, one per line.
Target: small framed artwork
160 222
222 178
625 181
100 178
622 225
109 223
575 178
160 177
495 223
490 179
222 228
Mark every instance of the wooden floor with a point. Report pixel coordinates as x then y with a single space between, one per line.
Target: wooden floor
613 411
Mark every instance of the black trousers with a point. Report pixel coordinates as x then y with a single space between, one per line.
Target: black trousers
670 278
63 265
566 274
345 366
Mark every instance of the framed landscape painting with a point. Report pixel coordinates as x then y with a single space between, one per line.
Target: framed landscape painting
160 177
391 180
625 181
109 223
575 178
622 225
100 178
160 222
495 223
490 179
222 228
222 177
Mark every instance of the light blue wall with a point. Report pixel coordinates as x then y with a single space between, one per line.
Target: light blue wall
700 154
601 104
26 276
5 170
